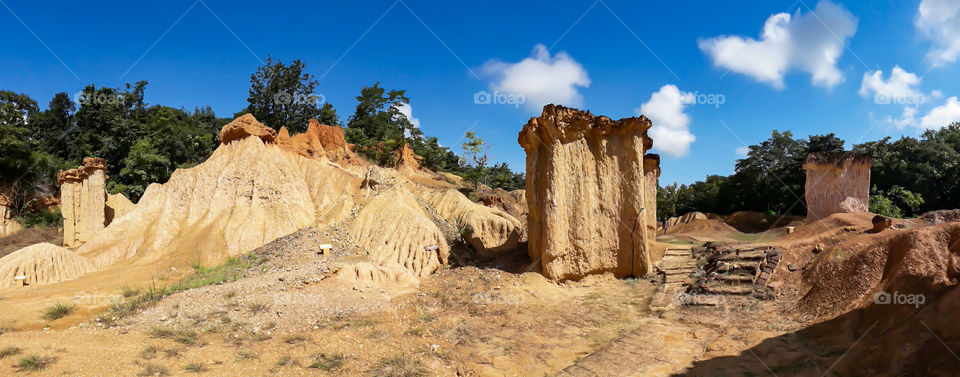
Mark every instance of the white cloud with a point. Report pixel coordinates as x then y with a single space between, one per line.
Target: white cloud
407 110
908 118
810 42
936 94
900 86
743 151
670 132
939 21
541 79
942 115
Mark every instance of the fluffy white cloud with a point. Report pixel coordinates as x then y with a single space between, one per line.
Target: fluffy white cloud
939 20
908 118
743 151
540 79
407 110
670 132
810 42
942 115
900 86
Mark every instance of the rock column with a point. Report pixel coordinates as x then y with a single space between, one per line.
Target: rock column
837 182
586 193
82 201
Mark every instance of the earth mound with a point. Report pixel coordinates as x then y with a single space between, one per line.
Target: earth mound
41 263
252 191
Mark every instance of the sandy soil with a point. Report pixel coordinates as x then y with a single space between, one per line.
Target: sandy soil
289 315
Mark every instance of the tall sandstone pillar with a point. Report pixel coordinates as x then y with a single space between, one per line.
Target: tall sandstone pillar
837 182
586 193
82 201
651 175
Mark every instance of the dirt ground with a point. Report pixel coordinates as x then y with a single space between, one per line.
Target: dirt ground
285 313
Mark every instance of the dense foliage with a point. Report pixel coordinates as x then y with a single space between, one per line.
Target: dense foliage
910 176
144 144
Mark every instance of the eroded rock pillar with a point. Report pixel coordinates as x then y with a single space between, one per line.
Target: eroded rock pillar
837 182
586 193
82 201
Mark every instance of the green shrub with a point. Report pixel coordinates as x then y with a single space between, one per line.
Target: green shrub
57 311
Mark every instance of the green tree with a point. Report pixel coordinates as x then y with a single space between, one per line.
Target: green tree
143 166
284 96
477 153
328 115
52 127
378 126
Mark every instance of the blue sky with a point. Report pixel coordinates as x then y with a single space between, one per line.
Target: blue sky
609 56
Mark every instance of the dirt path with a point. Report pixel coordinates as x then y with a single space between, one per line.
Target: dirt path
656 348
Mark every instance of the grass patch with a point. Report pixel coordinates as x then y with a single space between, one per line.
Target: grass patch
126 291
232 270
9 351
151 369
57 311
34 363
245 355
183 336
400 366
284 361
136 300
149 353
326 362
194 367
257 307
295 339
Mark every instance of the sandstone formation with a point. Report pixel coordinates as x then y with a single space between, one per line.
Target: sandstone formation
83 201
586 193
512 202
488 230
246 125
117 205
41 263
685 219
393 228
8 225
319 141
407 159
651 175
837 182
251 192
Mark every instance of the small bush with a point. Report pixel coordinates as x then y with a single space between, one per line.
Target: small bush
149 352
9 351
400 366
326 362
245 355
57 311
284 360
34 363
257 307
194 367
151 369
294 339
